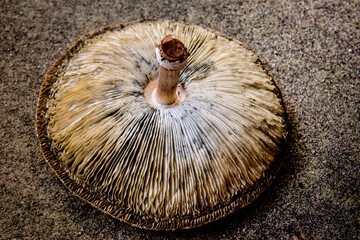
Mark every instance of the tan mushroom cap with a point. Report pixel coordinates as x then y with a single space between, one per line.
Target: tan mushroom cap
161 168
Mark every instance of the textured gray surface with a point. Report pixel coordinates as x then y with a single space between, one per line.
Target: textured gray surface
312 49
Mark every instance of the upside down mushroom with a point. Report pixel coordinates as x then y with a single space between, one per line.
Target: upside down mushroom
160 124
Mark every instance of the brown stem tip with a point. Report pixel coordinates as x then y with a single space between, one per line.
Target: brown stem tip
173 49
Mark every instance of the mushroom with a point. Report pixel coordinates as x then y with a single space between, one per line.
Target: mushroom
160 124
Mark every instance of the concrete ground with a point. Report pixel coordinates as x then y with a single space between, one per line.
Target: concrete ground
312 48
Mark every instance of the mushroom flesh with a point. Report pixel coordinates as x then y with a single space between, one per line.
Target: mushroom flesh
157 147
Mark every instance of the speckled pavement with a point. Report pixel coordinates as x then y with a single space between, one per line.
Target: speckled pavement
312 49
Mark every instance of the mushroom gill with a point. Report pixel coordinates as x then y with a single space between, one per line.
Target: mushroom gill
154 166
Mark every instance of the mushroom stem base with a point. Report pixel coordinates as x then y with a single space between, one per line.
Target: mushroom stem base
151 95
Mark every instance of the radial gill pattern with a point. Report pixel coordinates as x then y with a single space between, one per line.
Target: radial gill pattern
141 163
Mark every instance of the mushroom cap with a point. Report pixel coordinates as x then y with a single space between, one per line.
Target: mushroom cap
154 168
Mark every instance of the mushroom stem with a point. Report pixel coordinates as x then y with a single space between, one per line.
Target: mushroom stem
172 56
166 90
